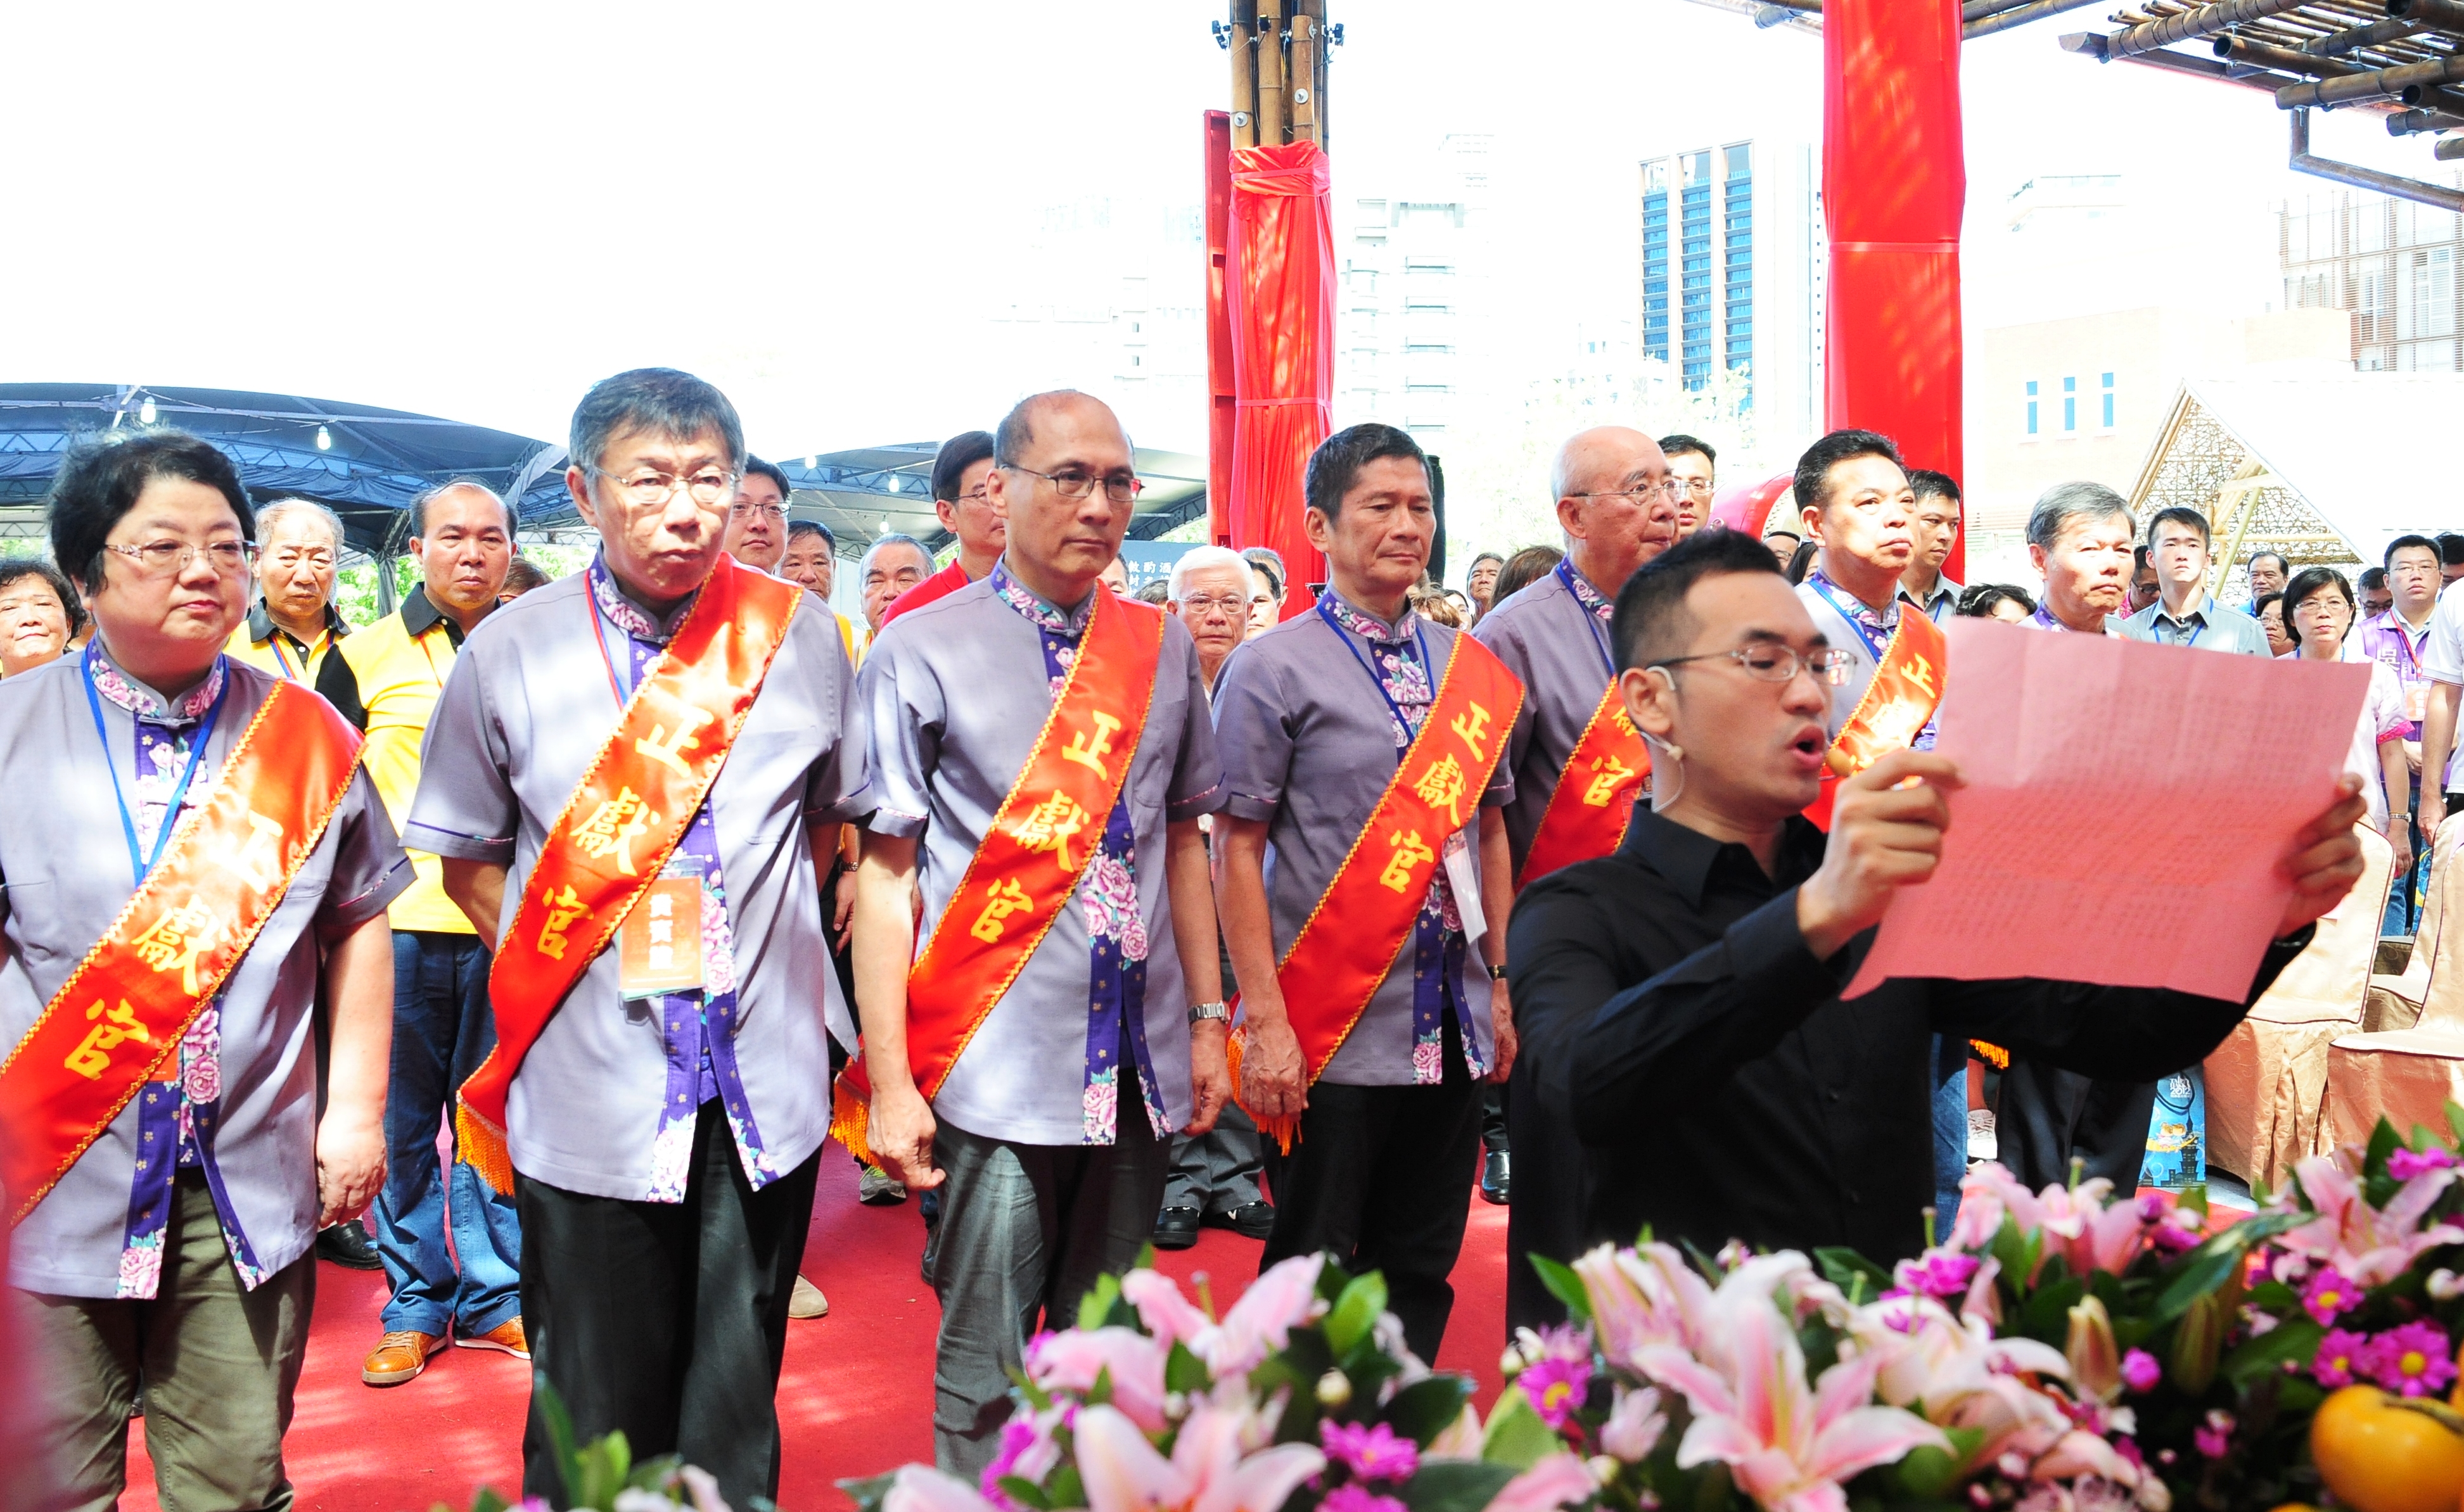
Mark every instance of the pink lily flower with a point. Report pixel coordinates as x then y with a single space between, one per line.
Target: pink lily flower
1786 1445
1261 1323
1554 1481
1070 1361
1641 1298
1208 1470
1958 1374
2369 1245
1167 1313
921 1488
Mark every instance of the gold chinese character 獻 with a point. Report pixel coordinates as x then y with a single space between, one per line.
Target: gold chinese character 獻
1050 825
93 1054
177 939
1441 786
259 861
561 911
1004 898
613 828
1610 774
666 749
1092 754
1473 728
1410 851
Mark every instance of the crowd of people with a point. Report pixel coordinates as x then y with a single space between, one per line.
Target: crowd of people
649 879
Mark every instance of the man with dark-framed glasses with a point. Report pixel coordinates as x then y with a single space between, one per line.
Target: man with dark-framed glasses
962 498
756 517
1694 467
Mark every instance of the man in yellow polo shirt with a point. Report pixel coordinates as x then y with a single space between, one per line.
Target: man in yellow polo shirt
386 680
293 627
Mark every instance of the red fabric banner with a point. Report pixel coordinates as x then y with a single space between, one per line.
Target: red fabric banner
1748 506
1281 286
1894 184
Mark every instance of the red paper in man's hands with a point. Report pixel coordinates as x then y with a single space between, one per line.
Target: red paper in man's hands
2125 812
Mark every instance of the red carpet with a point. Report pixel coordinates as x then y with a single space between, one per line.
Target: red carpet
856 1397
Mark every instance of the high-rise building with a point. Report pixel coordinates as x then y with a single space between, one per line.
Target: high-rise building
1733 260
1414 311
2397 266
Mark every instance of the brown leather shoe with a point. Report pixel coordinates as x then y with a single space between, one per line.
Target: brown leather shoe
399 1356
808 1301
506 1337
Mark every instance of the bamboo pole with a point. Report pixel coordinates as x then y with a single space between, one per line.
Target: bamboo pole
1309 46
2245 505
1244 72
1273 93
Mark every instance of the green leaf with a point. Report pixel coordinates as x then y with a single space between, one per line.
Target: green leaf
660 1474
605 1466
1096 1308
1101 1393
2456 1118
2195 1200
1564 1286
1065 1489
1183 1371
1356 1313
1455 1485
1427 1407
1842 1266
1517 1436
2297 1340
487 1500
2384 1140
1928 1473
868 1492
2212 1264
1024 1492
559 1430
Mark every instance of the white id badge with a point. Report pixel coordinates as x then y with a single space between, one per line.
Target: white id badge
1467 884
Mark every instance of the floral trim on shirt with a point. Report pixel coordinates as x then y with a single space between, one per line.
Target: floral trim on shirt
1107 895
1437 945
1585 594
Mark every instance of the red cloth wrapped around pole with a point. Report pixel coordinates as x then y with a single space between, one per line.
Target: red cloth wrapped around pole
1281 287
1894 183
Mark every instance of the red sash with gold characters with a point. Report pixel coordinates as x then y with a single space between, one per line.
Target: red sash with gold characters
1897 703
1593 800
1344 950
1026 867
121 1014
615 836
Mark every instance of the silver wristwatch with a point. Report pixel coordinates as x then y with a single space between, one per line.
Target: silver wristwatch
1199 1013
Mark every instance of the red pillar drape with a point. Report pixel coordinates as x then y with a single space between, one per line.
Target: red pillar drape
1894 183
1748 506
1281 292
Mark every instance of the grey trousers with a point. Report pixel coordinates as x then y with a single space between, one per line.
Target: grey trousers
1026 1229
218 1367
1216 1171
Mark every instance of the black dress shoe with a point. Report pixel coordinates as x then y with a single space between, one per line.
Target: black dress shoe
1496 1180
1176 1228
1251 1220
348 1244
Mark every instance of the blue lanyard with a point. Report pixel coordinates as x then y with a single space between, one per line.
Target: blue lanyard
1853 623
137 861
1566 576
1380 682
1944 609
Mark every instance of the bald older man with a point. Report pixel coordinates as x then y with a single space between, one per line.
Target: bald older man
1618 502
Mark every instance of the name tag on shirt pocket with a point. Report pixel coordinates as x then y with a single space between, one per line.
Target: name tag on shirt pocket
1466 885
658 951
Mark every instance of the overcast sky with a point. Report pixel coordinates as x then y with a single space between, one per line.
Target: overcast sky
474 210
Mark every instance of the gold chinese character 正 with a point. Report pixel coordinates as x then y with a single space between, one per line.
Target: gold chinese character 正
1472 729
1092 753
668 750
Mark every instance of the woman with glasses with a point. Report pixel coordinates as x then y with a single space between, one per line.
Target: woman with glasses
2320 610
38 615
194 1166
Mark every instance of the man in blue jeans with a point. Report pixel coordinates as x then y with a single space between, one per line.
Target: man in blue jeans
387 684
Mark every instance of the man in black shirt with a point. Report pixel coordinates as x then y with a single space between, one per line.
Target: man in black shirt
1680 998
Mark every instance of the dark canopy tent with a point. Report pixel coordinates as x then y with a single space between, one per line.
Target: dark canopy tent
863 492
366 462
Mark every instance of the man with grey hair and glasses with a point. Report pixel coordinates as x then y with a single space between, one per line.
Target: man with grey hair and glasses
635 777
293 626
2080 538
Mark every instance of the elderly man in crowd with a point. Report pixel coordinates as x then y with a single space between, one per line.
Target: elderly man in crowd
1480 581
1692 464
386 680
1214 1179
2268 572
811 564
1935 524
660 1078
2079 541
756 517
2185 613
293 626
968 506
1365 1062
1620 498
39 614
892 566
1033 1059
1267 575
165 1190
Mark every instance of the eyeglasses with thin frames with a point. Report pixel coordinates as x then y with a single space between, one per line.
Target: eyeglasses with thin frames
168 559
1778 664
1121 488
746 509
1670 488
1203 603
651 487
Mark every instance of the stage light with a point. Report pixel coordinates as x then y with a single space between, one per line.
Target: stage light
145 412
893 483
325 439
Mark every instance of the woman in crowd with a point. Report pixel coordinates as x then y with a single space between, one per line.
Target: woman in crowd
2269 612
2319 607
1522 569
1996 600
1801 561
38 615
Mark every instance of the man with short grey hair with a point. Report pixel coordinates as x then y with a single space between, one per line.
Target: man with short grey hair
890 566
2268 573
292 626
661 1080
2079 537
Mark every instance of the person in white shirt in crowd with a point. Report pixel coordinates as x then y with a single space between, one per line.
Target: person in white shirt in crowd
2319 605
2397 638
2442 661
